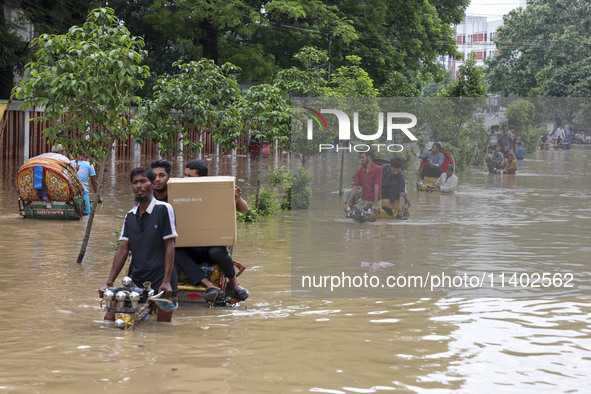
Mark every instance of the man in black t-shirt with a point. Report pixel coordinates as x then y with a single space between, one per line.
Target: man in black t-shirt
149 233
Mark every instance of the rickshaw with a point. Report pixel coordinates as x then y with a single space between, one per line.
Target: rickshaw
49 188
428 183
360 216
132 304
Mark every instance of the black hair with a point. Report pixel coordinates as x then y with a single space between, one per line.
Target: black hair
162 164
145 171
199 166
368 153
438 145
396 162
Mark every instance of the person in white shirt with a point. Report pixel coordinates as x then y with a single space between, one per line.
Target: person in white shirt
560 136
448 181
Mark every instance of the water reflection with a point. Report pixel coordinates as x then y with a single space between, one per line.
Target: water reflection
54 339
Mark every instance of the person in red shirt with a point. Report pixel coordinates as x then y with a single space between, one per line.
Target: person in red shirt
369 177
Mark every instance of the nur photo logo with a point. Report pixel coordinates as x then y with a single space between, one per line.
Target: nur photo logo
392 122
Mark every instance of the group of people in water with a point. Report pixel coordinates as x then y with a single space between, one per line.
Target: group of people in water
558 139
503 150
499 161
373 182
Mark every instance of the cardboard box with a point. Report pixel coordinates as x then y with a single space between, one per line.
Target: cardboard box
205 210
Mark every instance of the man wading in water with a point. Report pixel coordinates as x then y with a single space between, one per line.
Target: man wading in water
369 177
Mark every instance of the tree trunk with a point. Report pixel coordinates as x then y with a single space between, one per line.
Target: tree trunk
210 42
101 171
6 81
342 170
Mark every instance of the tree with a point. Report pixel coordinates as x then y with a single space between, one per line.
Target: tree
199 97
544 48
85 81
404 36
54 16
32 17
347 82
351 81
311 81
520 116
450 116
398 85
12 49
267 114
389 35
469 82
224 30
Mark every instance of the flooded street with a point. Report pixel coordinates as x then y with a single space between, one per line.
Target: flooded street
376 340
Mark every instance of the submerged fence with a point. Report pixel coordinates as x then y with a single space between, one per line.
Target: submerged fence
21 139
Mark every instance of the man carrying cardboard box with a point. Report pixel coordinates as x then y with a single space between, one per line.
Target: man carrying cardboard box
189 258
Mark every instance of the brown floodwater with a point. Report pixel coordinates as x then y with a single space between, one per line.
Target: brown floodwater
54 340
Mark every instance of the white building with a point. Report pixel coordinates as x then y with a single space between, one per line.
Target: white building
475 34
15 15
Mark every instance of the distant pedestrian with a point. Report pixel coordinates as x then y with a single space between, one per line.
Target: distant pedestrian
87 173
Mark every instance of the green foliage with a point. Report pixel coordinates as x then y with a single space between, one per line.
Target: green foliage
261 36
250 216
268 204
115 244
543 48
400 35
520 114
46 16
407 159
466 144
300 191
351 81
452 117
311 58
202 96
297 193
12 46
347 81
309 81
86 82
256 66
398 85
521 117
223 29
280 178
469 83
452 123
267 113
54 16
431 87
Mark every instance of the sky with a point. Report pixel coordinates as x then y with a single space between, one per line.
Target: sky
491 9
